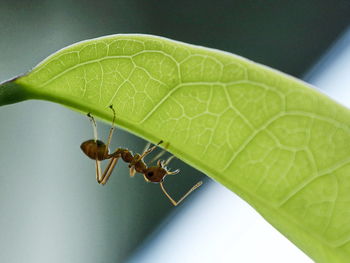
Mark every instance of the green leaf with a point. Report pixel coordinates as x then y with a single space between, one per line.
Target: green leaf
278 143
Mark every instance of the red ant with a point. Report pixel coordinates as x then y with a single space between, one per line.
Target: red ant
99 151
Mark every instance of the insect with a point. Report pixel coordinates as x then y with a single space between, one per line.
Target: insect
99 151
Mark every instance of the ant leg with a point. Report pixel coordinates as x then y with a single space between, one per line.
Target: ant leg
132 171
157 157
109 169
112 128
148 144
138 157
94 126
169 160
102 179
182 198
149 150
165 192
98 170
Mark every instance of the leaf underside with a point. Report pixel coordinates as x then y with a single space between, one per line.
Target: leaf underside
277 142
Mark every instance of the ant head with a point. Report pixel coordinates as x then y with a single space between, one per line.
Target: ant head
156 174
94 149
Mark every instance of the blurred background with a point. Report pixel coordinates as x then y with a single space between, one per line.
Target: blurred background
52 209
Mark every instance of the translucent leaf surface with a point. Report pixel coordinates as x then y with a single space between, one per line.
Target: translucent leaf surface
277 142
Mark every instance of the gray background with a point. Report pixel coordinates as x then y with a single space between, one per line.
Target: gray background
51 208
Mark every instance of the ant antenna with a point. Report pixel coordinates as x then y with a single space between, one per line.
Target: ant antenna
182 198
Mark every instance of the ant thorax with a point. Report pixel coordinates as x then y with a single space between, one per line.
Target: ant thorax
140 166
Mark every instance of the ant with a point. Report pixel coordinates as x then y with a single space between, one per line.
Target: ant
99 151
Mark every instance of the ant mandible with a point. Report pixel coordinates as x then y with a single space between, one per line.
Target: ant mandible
99 151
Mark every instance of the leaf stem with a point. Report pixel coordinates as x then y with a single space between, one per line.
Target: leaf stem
12 92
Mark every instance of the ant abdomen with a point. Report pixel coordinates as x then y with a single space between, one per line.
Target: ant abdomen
95 150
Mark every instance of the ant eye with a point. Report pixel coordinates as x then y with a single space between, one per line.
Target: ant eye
150 174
